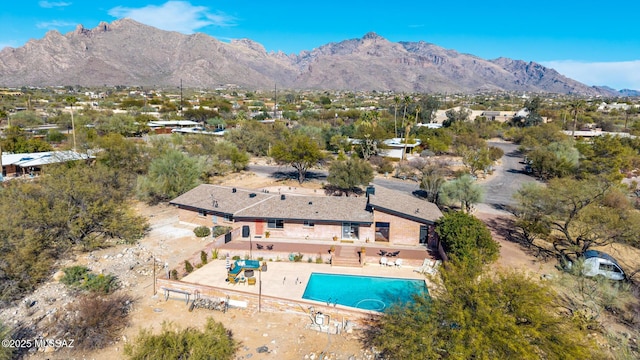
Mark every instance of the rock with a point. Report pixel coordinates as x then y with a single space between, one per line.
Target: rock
265 334
58 275
262 349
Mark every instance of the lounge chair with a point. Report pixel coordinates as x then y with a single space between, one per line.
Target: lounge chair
383 261
426 264
259 247
270 247
434 269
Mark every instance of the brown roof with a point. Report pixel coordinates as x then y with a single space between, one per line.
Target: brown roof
318 208
221 199
404 205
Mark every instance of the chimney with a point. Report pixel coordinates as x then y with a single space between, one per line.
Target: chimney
282 197
234 190
371 190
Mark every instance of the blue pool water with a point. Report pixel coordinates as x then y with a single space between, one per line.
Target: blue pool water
363 292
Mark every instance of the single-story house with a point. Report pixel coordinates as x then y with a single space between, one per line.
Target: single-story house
383 216
32 163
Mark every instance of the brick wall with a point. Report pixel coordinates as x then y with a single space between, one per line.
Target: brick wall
401 231
297 230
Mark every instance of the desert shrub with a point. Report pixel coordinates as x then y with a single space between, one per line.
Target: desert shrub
221 230
188 267
6 352
236 257
319 260
93 321
174 274
214 342
203 257
80 277
74 275
214 254
202 231
297 257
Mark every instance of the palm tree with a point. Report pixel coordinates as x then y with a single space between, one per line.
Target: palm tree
576 107
72 100
407 130
396 101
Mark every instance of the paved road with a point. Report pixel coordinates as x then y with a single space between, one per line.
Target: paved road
499 189
279 172
507 177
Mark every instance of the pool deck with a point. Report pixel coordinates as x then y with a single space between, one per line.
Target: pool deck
287 279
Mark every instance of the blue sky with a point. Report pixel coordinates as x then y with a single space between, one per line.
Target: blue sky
595 43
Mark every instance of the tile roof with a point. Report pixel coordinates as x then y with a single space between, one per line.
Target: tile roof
403 204
318 208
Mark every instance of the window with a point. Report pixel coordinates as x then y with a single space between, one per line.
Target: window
609 267
382 231
275 224
308 224
228 217
202 213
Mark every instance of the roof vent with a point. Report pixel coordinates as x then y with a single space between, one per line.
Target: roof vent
252 195
234 190
282 197
310 202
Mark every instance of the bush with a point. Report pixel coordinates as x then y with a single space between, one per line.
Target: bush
214 254
214 342
297 257
80 277
202 231
74 275
174 274
188 267
221 230
203 257
93 321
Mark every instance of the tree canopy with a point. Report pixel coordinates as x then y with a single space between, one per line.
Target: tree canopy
346 176
504 315
463 190
573 216
298 151
170 175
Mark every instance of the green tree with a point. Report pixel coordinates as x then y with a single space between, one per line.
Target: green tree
466 239
571 216
453 116
298 151
369 134
214 342
464 190
503 315
170 175
348 175
576 108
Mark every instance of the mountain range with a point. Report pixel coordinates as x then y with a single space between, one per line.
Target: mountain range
126 52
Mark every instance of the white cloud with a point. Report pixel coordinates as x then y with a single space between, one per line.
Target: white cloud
54 24
178 16
618 75
52 4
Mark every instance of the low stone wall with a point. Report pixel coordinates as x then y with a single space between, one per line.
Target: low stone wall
263 303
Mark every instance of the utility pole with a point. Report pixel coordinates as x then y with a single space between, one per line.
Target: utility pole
180 96
275 103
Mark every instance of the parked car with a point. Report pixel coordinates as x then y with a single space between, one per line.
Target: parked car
597 263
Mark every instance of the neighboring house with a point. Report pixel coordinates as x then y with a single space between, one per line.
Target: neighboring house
33 163
383 216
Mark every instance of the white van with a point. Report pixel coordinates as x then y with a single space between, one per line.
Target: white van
599 263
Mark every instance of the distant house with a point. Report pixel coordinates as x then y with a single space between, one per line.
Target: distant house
383 216
32 163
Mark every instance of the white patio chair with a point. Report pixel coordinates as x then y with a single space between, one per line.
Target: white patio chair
399 262
391 263
383 261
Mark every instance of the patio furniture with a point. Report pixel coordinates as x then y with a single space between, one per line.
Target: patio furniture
391 263
259 247
383 261
270 247
399 262
251 281
382 252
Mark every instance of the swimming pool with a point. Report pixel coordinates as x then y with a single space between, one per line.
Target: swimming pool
363 292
